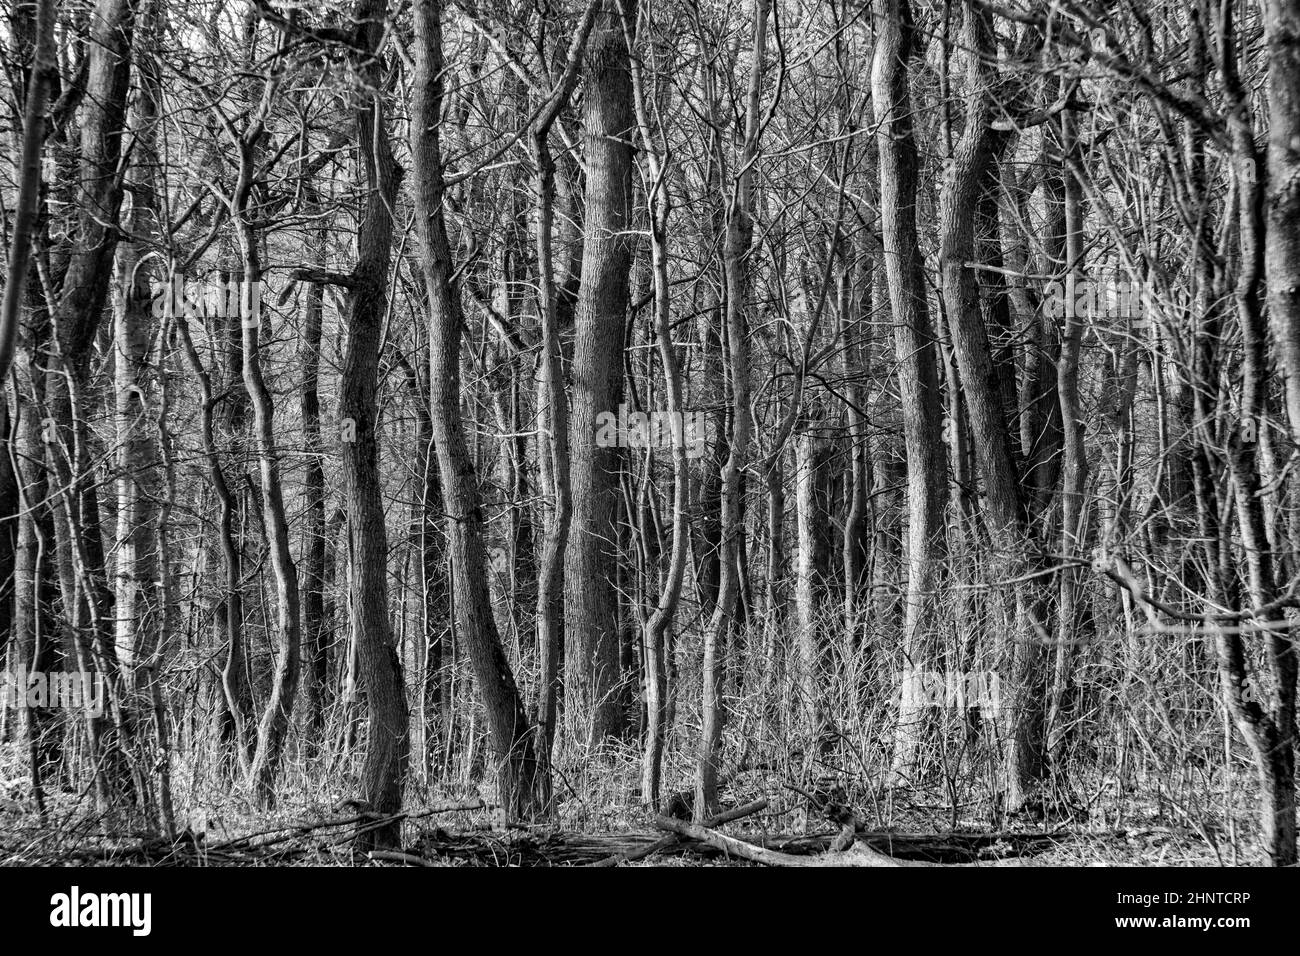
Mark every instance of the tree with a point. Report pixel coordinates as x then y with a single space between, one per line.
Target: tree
388 742
918 378
739 235
512 737
594 700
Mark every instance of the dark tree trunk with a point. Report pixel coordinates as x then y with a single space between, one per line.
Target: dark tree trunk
511 735
591 599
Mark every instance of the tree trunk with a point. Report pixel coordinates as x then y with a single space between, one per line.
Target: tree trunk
139 608
918 376
553 411
593 699
1006 517
739 235
1282 240
79 541
511 736
388 743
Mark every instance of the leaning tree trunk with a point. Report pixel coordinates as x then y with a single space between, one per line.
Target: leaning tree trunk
511 736
1005 510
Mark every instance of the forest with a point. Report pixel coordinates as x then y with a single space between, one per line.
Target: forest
781 432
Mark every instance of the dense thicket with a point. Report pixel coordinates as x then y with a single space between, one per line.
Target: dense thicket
605 399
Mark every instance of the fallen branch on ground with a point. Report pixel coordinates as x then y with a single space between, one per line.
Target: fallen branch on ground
857 854
669 842
396 857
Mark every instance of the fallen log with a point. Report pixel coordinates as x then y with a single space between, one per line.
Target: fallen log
668 842
955 847
365 820
857 854
395 856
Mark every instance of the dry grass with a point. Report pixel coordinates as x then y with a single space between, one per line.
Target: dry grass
1148 777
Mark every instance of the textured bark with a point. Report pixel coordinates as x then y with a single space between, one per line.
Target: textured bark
553 408
511 736
709 374
1040 406
553 411
315 633
918 376
593 699
139 607
314 645
138 481
1268 728
387 743
1005 510
38 81
33 635
22 476
79 544
428 541
1282 239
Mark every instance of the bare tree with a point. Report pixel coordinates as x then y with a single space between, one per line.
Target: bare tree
917 362
739 235
512 737
594 701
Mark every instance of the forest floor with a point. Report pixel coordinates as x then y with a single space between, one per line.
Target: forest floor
309 827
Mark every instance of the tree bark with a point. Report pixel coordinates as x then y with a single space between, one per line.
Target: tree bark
594 701
1005 511
918 376
388 743
739 235
511 736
